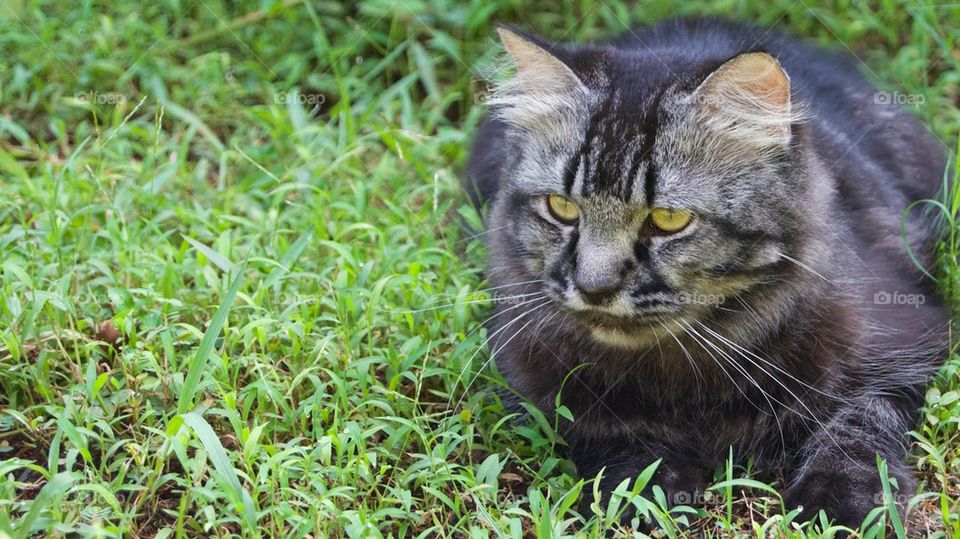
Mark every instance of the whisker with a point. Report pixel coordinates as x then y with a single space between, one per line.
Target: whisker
543 301
477 235
497 313
812 415
697 339
771 364
487 290
470 302
766 396
693 364
508 285
539 328
493 353
804 266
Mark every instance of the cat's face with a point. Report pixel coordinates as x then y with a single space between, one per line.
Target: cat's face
641 203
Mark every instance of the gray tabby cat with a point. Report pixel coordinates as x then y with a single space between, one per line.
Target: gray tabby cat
703 222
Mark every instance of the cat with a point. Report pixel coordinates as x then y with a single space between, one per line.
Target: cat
694 232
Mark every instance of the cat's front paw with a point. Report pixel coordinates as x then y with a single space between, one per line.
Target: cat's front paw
845 491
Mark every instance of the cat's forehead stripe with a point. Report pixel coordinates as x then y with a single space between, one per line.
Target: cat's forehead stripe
612 152
570 171
649 139
635 161
598 147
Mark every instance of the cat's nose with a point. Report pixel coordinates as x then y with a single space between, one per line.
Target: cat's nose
597 288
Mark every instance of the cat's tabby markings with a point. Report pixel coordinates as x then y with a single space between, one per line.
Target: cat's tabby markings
704 214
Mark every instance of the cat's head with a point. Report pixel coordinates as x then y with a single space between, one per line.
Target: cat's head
639 190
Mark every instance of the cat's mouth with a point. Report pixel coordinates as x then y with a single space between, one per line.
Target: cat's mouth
631 329
628 333
634 323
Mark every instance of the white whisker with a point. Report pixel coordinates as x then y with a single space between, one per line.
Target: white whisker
542 302
804 266
799 401
471 302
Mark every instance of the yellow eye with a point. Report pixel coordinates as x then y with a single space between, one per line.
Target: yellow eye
563 209
670 220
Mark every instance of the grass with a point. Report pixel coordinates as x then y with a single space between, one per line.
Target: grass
241 294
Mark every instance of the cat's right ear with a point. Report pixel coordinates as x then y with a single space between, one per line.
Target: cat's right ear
539 73
749 97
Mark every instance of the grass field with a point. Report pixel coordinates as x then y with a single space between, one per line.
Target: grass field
241 294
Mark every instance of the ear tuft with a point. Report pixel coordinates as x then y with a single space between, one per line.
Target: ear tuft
544 89
539 71
749 96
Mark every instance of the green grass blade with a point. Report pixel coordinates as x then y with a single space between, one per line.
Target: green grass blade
57 486
212 255
288 258
221 462
890 501
199 360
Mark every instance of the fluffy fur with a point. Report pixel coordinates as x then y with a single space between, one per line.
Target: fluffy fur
762 325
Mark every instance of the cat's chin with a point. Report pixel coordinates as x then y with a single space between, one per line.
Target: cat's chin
631 340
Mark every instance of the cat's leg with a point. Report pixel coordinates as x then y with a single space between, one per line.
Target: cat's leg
837 468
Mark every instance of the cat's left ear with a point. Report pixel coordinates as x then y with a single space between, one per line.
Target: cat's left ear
539 72
749 97
543 93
